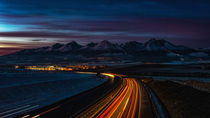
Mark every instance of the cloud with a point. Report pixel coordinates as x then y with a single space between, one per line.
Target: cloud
40 35
94 20
81 29
38 40
89 8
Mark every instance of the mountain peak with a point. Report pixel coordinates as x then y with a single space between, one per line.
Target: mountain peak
105 42
57 45
72 46
91 44
106 45
133 46
159 45
73 43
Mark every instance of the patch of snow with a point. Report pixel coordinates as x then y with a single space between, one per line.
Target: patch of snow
198 54
171 54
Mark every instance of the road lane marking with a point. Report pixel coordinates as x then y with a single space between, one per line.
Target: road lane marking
35 116
136 93
25 116
123 99
97 109
19 111
14 109
121 95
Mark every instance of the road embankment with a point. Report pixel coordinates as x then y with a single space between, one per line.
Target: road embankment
182 101
159 108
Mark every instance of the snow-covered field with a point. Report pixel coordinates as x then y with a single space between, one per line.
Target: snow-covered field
22 92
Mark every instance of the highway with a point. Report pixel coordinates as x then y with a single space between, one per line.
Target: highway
128 100
125 97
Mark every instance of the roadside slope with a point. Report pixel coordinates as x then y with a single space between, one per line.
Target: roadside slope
182 101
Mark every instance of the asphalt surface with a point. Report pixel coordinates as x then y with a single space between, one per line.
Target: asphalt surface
119 97
129 100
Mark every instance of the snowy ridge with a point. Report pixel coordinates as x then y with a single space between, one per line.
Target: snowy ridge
132 46
152 51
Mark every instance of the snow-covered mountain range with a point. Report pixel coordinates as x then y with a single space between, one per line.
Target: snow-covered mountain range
132 46
152 50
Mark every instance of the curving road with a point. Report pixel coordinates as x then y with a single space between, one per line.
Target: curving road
124 97
128 100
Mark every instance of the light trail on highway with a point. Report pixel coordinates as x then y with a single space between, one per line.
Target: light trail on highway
119 97
125 101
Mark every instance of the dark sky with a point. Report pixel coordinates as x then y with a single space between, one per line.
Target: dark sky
35 23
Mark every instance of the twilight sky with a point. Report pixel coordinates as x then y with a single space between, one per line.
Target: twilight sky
36 23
